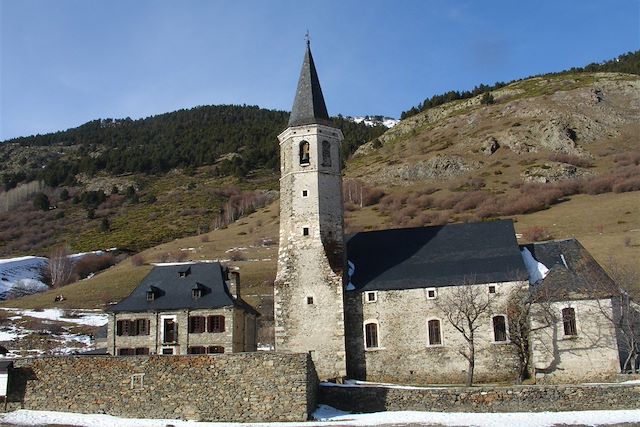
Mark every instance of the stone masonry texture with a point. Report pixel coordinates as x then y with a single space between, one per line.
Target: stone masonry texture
483 399
238 387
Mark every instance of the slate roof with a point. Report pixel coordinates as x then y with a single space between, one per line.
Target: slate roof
173 286
573 272
453 254
308 106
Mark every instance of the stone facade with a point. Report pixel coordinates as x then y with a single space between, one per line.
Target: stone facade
308 296
404 354
591 354
483 399
239 334
230 387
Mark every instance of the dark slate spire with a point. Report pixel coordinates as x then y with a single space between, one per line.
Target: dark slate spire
308 107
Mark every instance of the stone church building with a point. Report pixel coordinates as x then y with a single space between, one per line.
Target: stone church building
370 306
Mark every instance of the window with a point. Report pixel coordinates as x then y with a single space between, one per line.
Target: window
215 324
196 350
305 231
184 272
170 332
132 327
492 289
126 352
326 153
309 300
304 153
151 295
372 296
305 193
371 335
142 351
499 329
196 324
196 293
215 349
431 293
569 321
435 333
167 351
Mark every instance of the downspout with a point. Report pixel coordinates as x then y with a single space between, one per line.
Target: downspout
157 331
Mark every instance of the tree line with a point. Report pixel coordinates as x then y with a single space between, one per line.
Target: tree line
186 138
626 63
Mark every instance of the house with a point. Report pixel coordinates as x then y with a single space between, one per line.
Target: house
581 341
379 305
186 308
401 283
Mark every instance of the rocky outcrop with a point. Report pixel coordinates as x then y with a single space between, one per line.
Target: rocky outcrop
553 172
438 168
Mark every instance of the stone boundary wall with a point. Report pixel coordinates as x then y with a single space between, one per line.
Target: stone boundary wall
238 387
482 399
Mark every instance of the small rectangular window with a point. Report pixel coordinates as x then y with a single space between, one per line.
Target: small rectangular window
142 351
167 351
304 193
305 231
126 352
196 350
215 349
492 289
309 300
372 296
431 293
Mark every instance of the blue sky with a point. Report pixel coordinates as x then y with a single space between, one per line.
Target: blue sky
65 62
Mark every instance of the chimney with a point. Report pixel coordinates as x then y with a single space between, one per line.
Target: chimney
234 283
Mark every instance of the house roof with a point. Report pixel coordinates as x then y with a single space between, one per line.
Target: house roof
454 254
308 106
172 286
573 272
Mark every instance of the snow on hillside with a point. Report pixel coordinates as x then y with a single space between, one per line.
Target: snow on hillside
387 122
23 273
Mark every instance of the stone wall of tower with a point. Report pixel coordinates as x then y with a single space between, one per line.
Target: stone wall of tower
308 292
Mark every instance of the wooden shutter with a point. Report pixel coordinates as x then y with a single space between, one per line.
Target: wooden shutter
434 332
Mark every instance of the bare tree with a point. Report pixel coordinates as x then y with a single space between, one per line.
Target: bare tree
59 267
519 305
464 306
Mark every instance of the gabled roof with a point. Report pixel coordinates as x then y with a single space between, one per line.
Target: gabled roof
454 254
173 289
308 106
573 272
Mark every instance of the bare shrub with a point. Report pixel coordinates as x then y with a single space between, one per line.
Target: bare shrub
470 201
164 257
91 263
180 256
628 158
137 260
598 185
58 269
536 234
237 255
371 196
204 238
625 185
571 159
350 207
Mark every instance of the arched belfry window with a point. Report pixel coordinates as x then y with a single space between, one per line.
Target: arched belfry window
326 153
304 153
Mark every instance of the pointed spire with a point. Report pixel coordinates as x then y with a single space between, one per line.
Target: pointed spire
308 106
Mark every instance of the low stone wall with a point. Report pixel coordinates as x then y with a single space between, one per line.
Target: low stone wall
232 387
482 399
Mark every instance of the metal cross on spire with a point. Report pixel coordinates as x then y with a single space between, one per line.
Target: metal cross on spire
307 38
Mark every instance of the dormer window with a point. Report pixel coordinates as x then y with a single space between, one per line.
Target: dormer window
151 295
196 293
184 272
304 153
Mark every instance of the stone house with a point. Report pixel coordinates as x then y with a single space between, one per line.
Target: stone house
186 308
370 306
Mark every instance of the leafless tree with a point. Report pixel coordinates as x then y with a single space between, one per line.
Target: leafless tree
519 305
59 267
464 306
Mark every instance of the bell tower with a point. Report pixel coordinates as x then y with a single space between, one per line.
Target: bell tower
308 294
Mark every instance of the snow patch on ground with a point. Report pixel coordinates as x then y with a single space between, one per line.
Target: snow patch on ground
22 271
537 270
80 317
357 383
328 416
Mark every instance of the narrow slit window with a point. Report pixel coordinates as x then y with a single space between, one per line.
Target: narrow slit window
569 321
310 300
326 153
305 231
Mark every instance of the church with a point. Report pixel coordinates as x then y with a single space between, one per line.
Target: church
377 305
